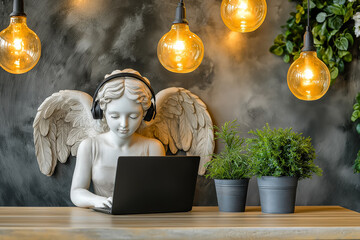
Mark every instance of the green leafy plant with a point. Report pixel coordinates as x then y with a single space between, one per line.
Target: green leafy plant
332 30
282 152
233 162
354 117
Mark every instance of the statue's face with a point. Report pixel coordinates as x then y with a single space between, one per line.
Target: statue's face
123 116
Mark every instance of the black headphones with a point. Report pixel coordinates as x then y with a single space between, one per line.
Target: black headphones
98 113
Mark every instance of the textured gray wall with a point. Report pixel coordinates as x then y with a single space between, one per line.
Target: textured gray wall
238 78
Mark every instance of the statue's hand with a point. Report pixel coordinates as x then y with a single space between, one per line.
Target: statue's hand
104 202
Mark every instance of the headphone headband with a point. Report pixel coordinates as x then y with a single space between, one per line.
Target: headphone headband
124 74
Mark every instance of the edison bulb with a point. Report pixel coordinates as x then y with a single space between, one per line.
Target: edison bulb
180 50
243 15
308 77
20 47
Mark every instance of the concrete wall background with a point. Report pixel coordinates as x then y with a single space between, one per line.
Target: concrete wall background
82 40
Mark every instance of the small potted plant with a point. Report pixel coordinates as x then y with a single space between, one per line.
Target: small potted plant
280 157
231 169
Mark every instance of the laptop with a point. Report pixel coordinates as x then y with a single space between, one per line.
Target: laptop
154 184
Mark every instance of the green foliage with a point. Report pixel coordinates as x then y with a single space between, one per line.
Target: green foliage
354 117
233 162
333 33
282 152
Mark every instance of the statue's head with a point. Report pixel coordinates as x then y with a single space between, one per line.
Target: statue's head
124 101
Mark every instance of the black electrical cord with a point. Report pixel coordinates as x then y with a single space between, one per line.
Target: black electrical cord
308 13
308 37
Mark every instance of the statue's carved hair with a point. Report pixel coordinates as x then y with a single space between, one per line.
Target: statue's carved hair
132 88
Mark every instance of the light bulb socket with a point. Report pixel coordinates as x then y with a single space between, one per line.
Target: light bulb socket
180 15
308 41
18 8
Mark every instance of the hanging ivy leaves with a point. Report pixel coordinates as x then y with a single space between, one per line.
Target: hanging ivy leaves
286 58
349 13
335 22
334 72
332 30
289 46
339 2
350 38
277 50
321 17
336 9
342 43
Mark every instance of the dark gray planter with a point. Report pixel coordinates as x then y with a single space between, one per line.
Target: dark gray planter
277 194
231 194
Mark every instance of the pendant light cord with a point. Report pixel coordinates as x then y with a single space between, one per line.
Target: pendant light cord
308 14
308 37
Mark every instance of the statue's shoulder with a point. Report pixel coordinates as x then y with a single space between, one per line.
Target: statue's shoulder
91 142
155 147
148 140
90 146
86 145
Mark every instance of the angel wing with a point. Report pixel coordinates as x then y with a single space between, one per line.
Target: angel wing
182 123
62 121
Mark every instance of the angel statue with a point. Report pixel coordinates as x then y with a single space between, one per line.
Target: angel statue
65 124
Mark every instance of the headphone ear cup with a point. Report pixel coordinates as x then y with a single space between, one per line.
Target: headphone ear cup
150 113
96 111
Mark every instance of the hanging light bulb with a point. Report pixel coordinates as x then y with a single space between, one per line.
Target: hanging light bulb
20 47
243 15
308 77
180 50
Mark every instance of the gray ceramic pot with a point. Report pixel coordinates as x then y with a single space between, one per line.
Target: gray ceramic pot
277 194
231 194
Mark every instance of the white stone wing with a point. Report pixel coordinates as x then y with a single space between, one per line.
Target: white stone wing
62 121
182 123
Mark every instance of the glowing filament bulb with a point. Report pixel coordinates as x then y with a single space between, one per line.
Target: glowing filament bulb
308 77
243 15
20 47
180 50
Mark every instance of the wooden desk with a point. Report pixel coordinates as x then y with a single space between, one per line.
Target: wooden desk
325 222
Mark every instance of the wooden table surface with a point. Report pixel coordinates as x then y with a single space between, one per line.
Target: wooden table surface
310 222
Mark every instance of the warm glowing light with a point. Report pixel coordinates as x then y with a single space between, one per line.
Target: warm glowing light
80 3
17 44
308 77
242 11
243 15
243 5
20 47
179 46
308 74
180 50
88 8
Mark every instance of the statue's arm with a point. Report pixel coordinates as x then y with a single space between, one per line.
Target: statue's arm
156 148
80 195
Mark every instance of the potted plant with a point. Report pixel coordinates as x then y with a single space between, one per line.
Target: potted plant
280 157
231 169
